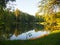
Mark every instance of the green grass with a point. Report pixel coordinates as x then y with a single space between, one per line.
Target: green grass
52 39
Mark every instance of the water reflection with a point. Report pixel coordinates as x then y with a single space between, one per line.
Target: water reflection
29 35
22 32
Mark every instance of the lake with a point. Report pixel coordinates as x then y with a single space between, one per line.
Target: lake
29 35
23 32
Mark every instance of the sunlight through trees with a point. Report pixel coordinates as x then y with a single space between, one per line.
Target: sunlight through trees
49 8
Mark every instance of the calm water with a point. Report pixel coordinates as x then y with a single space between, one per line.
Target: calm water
29 35
23 32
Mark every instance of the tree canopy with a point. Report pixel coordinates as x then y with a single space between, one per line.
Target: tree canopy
48 6
4 2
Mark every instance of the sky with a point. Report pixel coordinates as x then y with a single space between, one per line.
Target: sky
28 6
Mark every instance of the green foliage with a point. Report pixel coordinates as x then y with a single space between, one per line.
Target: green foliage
23 22
4 2
39 27
57 15
8 22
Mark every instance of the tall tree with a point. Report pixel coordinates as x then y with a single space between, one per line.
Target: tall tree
4 2
49 7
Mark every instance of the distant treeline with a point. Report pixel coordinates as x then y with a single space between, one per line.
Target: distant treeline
9 21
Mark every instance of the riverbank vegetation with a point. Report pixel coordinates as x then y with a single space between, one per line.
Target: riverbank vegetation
17 22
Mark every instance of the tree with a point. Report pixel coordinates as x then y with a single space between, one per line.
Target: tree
4 2
48 7
17 12
3 5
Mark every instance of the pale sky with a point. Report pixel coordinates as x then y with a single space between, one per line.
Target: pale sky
28 6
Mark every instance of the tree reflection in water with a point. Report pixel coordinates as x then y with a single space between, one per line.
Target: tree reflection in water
22 28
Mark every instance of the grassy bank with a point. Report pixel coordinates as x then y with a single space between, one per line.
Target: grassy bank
52 39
